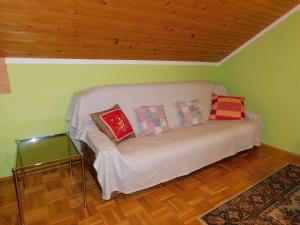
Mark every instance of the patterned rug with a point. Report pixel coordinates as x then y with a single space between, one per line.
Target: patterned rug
273 201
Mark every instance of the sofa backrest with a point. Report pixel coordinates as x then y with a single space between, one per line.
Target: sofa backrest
130 97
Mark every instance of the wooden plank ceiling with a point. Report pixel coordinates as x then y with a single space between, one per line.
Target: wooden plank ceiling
187 30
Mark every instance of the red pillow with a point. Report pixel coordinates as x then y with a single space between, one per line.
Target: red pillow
114 123
227 108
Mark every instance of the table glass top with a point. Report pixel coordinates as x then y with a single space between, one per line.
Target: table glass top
36 151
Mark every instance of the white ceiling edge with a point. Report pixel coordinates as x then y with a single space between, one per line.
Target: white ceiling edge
102 61
10 60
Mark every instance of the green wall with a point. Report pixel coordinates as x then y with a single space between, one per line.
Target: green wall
267 73
41 95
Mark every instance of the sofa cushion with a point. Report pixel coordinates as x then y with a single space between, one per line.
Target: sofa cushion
114 123
227 108
130 97
152 120
190 113
185 140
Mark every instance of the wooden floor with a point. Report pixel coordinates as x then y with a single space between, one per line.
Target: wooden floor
53 197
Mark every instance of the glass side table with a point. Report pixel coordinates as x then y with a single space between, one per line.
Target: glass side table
44 153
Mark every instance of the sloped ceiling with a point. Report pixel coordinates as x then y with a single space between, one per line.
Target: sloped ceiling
185 30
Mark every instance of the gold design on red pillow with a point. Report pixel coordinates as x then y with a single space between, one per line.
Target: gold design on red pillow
114 124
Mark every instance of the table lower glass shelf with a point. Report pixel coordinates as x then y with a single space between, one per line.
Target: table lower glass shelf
40 153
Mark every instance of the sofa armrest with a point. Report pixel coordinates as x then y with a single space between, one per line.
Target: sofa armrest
253 116
99 142
95 139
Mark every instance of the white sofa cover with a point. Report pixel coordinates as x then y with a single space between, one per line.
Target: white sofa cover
142 162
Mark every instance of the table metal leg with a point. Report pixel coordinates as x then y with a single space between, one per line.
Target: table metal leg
70 167
83 182
70 162
24 179
21 214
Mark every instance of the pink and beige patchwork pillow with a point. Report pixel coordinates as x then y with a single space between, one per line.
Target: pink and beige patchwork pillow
227 108
190 113
152 120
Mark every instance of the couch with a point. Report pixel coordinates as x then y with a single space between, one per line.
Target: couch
146 161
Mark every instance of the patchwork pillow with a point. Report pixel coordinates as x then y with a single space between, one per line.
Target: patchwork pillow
152 120
227 108
190 113
114 123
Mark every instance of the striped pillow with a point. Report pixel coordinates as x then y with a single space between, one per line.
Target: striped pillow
227 108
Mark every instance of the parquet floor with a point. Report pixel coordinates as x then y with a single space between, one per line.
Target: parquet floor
53 197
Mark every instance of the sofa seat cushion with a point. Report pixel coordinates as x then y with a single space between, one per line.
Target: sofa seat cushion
147 161
181 145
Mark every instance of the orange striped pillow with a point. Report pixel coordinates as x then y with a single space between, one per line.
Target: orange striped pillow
227 108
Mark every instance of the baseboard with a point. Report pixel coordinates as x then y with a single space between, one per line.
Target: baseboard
280 149
41 170
4 179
